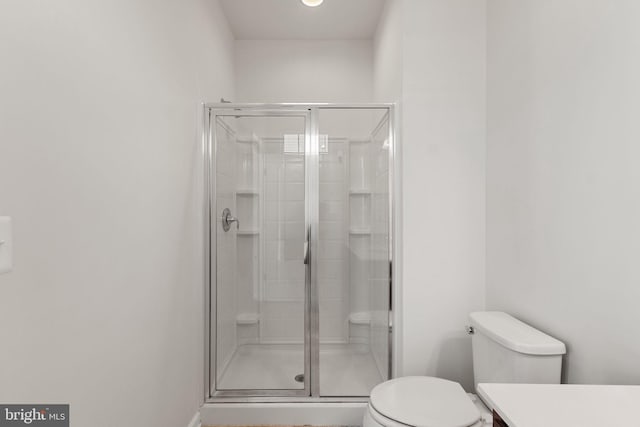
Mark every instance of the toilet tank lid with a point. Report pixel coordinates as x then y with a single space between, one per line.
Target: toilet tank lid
514 334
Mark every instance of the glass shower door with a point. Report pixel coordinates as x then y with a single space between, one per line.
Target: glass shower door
299 214
353 276
260 294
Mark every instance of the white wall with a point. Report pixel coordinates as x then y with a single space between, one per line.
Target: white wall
443 168
100 169
563 177
304 70
388 53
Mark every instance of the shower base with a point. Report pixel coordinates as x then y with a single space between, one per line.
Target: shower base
345 369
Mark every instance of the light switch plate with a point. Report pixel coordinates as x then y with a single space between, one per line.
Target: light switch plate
6 245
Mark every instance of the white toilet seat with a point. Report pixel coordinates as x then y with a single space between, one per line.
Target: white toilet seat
374 418
422 401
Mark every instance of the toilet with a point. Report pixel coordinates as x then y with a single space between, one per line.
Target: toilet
505 350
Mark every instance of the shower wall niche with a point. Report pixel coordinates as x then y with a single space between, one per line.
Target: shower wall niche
300 283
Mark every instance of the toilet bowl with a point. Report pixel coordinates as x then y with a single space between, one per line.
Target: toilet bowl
426 402
504 349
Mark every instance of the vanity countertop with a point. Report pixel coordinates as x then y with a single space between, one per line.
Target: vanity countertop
564 405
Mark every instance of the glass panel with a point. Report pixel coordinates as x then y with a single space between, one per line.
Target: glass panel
260 275
353 258
380 292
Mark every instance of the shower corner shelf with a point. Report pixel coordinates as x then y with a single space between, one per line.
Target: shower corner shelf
252 232
360 318
247 192
360 192
359 231
248 319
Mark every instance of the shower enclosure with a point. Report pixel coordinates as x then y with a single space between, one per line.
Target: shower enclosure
298 214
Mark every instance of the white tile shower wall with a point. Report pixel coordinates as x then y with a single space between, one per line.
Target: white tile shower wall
333 265
359 268
247 162
359 165
247 211
283 281
359 225
248 269
284 223
282 315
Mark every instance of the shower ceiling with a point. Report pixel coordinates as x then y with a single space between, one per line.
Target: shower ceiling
290 19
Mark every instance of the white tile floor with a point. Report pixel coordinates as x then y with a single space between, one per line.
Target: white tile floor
345 369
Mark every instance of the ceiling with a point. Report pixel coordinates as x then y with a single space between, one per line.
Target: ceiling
290 19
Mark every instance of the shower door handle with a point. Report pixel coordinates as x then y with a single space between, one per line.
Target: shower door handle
306 245
306 252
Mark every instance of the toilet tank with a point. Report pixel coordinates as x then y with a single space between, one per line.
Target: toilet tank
506 350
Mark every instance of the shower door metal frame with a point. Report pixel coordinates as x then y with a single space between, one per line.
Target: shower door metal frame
312 317
230 110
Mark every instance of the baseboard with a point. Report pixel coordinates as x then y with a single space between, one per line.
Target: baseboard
195 421
319 414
